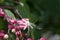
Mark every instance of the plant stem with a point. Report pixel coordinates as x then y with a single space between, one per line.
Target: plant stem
17 13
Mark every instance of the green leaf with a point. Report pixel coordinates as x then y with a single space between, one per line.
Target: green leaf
9 13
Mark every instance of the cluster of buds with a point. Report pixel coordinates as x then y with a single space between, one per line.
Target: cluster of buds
15 26
3 35
18 24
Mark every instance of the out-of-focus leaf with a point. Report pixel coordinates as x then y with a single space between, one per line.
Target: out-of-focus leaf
35 33
1 1
9 13
8 3
12 36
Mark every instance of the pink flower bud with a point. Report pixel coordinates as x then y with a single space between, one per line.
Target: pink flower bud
29 39
10 27
42 38
1 34
13 21
13 30
2 14
18 33
17 28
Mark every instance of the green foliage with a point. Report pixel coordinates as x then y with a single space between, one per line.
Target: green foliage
9 13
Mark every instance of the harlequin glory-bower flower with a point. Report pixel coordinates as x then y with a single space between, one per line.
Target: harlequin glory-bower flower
19 24
24 23
15 26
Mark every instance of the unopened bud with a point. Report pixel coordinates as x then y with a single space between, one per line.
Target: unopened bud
6 36
13 30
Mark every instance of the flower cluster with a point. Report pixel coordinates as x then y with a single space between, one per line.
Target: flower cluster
15 26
